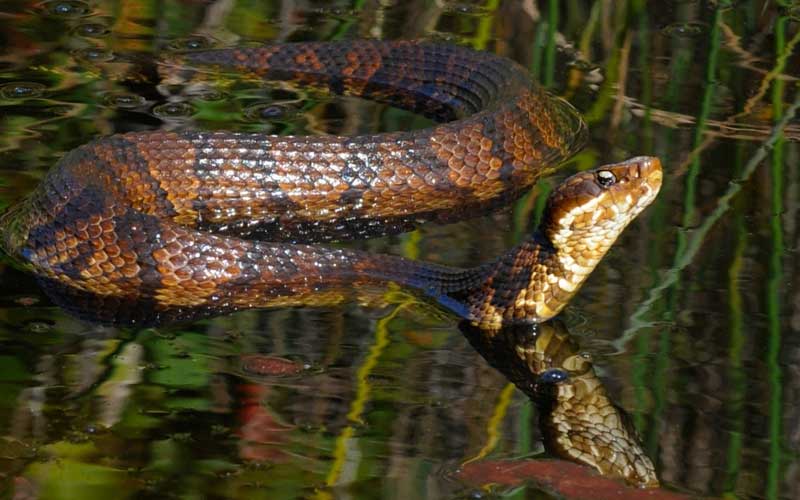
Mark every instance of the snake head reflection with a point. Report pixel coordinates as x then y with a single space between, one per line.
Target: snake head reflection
577 419
580 422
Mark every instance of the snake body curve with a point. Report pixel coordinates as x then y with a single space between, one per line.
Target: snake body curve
154 222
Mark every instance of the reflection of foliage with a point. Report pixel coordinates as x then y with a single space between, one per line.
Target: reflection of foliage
3 202
638 69
69 478
13 373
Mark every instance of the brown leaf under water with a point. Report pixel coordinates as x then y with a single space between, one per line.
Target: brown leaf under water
261 364
566 479
24 489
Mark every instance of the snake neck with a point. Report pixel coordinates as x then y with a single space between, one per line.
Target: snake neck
530 283
533 281
583 217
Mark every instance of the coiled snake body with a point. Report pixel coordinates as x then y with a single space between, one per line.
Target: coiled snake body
154 221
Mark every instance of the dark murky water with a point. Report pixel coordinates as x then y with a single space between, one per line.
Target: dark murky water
692 319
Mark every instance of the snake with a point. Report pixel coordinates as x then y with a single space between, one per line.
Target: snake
154 226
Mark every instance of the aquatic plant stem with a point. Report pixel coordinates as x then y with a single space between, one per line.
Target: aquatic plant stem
736 375
774 282
640 368
483 32
354 416
695 242
705 111
345 26
550 51
493 425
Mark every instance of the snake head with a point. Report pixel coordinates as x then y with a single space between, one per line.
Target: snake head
583 217
602 200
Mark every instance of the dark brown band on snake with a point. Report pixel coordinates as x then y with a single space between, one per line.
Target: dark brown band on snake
154 220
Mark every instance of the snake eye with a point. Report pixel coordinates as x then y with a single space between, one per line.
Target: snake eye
606 178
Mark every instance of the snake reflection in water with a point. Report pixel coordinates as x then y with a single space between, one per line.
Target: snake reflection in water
577 419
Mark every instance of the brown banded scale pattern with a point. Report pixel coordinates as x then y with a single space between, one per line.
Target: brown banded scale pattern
167 219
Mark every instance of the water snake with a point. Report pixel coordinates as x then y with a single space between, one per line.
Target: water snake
176 224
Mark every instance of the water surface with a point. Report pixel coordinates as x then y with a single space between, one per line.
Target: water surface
692 319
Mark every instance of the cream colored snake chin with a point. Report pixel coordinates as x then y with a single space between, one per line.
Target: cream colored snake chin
150 227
